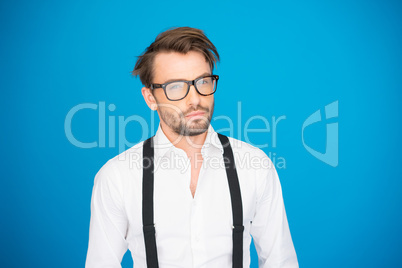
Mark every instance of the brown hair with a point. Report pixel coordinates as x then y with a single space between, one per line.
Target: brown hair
182 40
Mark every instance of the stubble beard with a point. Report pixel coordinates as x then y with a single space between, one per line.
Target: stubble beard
178 123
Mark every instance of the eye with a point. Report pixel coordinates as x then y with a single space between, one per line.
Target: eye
204 81
175 86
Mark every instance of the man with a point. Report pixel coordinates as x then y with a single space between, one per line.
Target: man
180 199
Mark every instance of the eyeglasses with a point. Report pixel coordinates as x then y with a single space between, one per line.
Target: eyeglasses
178 90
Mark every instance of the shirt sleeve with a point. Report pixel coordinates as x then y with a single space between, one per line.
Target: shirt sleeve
108 225
269 228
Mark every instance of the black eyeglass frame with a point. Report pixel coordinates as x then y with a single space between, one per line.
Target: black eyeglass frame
189 83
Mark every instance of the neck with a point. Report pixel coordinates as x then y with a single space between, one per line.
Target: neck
190 144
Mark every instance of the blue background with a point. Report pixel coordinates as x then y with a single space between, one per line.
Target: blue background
278 58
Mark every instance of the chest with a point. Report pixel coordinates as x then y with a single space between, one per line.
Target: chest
175 206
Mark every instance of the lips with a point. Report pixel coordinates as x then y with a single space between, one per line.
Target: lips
195 114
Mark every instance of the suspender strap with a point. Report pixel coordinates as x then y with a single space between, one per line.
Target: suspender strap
148 204
235 195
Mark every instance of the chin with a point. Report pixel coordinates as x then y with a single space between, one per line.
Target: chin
196 130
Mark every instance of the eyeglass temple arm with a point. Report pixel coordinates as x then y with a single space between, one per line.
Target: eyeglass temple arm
153 86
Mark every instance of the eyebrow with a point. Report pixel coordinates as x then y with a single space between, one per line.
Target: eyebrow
178 79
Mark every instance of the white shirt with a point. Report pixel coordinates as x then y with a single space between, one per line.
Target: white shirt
190 232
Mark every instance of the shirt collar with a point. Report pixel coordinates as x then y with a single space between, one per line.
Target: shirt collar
211 146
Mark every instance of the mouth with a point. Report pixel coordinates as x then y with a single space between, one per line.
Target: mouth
195 114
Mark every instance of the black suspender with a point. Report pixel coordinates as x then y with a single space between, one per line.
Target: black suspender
235 195
148 203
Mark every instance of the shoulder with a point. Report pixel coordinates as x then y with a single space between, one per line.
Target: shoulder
254 161
244 149
257 175
122 165
131 154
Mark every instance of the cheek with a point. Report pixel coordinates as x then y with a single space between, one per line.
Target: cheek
159 95
209 102
170 110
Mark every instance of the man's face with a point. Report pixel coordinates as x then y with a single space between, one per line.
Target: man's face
192 115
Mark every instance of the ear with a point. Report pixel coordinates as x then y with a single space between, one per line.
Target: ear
149 98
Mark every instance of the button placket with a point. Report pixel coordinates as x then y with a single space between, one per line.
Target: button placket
195 232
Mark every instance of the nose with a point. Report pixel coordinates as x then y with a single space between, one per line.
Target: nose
193 98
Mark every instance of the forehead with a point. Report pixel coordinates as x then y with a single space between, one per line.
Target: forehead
174 65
